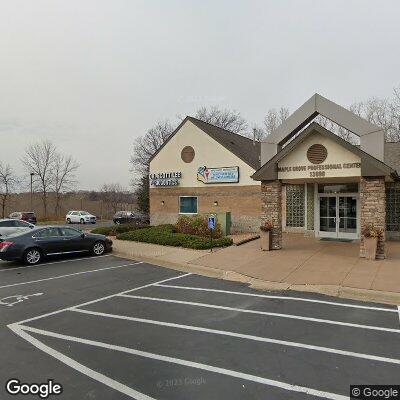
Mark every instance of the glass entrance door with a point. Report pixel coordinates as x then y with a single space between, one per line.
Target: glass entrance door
338 216
327 216
347 216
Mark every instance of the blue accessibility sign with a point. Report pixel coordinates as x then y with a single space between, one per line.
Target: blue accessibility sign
212 222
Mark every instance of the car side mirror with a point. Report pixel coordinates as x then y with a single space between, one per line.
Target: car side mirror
82 235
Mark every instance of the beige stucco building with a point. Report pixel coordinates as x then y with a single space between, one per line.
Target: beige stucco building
315 182
202 169
304 178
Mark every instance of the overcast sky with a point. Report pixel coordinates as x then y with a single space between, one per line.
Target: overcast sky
91 75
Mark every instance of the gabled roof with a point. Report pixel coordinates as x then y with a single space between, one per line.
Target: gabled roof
242 147
370 166
371 136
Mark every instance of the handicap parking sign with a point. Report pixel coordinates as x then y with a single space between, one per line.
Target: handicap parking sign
212 222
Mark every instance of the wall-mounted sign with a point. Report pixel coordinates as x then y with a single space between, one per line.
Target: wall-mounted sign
218 175
317 171
165 178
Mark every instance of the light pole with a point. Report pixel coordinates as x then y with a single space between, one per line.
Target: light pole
32 174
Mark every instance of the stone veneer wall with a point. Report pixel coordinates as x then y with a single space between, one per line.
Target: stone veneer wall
271 209
373 210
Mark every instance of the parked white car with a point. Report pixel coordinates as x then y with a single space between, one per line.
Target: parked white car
80 217
9 226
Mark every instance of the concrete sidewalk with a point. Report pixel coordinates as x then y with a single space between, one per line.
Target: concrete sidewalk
305 264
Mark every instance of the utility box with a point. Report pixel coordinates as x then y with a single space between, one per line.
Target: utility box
225 220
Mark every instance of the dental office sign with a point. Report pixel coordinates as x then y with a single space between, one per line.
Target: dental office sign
218 175
165 178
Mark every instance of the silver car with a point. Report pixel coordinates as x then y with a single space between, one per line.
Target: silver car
9 226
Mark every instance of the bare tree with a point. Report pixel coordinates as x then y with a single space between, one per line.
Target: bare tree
7 181
113 194
382 112
63 178
258 133
337 129
230 120
145 146
274 118
39 159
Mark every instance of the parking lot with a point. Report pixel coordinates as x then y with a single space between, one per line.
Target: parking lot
110 328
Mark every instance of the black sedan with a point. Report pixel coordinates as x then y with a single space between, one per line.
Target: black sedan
129 217
32 246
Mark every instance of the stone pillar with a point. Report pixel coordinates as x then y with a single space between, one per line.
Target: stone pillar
373 210
271 209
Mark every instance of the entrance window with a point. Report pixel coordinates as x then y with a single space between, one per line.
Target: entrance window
392 207
295 206
187 205
338 188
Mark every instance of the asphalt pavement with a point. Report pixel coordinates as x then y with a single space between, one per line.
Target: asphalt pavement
111 328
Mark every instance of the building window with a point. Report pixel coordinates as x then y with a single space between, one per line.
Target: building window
187 205
310 206
295 206
338 187
392 207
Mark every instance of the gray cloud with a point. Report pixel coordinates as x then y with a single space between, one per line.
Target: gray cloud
92 75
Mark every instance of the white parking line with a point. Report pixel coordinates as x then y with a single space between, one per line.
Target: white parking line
153 356
67 275
100 298
325 321
398 309
243 336
79 367
51 263
279 297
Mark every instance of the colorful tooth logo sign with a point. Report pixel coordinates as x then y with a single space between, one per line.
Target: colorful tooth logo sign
202 174
218 175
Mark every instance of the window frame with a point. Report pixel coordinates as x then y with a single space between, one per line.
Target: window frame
78 233
34 236
185 213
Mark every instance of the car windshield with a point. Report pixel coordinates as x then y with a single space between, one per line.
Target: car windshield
84 213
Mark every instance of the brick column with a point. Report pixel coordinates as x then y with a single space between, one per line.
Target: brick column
373 210
271 209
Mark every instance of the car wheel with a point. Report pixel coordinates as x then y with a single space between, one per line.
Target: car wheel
82 221
98 249
32 256
68 220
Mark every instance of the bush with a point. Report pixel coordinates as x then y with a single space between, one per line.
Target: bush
114 230
166 235
197 225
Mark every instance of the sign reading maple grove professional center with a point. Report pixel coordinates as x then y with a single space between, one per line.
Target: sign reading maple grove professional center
218 175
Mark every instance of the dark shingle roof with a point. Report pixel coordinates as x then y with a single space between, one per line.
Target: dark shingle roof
392 155
242 147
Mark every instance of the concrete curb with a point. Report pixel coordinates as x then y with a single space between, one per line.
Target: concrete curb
259 284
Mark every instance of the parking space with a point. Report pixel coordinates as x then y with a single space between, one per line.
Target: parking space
109 328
